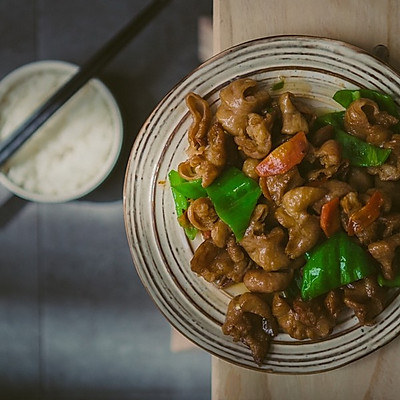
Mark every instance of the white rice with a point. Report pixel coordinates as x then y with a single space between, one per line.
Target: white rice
69 150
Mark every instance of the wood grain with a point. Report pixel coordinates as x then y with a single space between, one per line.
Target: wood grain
364 23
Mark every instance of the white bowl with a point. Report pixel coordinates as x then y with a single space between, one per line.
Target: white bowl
75 150
313 68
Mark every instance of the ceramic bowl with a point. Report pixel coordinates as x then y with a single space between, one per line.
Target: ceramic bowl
75 150
313 68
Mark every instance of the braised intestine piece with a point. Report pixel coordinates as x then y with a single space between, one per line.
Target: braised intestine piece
207 144
334 188
218 259
201 214
392 188
390 170
293 214
366 298
265 249
293 121
239 99
261 281
207 161
333 302
220 265
364 120
359 179
249 320
304 319
275 186
220 233
321 135
350 204
384 251
249 168
329 157
256 142
201 120
389 224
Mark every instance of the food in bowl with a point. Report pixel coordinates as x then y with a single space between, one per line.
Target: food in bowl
75 150
298 206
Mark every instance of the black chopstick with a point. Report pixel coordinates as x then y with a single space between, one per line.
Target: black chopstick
87 71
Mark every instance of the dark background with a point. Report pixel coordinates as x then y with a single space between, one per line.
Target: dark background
75 320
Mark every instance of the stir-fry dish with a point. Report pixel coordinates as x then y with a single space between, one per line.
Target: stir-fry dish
302 209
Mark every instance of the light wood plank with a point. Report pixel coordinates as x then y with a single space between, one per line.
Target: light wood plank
364 23
373 377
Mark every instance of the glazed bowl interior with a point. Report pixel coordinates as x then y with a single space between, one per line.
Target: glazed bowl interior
312 68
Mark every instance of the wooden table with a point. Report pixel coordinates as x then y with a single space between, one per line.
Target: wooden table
365 23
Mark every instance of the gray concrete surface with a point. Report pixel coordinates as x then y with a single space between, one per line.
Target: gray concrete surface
75 320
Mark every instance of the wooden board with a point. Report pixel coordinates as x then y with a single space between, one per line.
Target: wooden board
364 23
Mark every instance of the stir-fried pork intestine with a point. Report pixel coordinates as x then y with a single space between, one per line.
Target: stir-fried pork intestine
265 249
201 120
392 188
293 120
390 170
321 135
350 204
389 224
256 142
334 303
220 233
275 186
207 144
359 179
329 157
287 224
366 298
249 319
364 120
304 319
261 281
249 167
334 188
384 251
238 100
216 265
304 228
201 214
209 160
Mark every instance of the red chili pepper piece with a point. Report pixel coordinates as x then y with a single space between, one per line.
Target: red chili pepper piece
330 217
284 157
366 215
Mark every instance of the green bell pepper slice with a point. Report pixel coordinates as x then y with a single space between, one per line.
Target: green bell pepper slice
333 118
293 290
190 189
336 262
359 152
389 283
234 196
181 202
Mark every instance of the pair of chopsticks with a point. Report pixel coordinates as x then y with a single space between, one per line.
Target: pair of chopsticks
87 71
